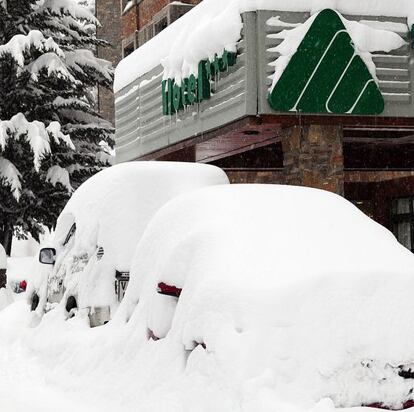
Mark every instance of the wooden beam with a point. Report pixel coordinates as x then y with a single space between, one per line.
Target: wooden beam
381 141
287 120
206 155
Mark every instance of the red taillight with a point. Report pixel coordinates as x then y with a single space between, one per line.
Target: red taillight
168 290
408 404
23 285
379 405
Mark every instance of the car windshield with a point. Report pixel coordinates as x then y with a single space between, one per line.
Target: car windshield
70 234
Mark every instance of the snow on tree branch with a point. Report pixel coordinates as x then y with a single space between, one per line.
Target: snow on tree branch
47 107
53 63
35 133
57 174
54 129
68 7
85 58
21 43
72 102
11 175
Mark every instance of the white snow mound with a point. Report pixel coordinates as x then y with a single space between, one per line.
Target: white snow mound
126 196
296 295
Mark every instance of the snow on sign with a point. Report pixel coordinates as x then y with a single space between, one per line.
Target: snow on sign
326 74
176 96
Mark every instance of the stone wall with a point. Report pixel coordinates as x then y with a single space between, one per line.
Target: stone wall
313 157
256 176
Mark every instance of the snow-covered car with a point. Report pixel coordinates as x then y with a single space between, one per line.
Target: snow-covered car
86 265
3 267
291 290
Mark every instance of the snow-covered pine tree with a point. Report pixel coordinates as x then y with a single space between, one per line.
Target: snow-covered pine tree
51 136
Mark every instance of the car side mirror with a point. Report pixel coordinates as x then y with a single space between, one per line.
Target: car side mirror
47 256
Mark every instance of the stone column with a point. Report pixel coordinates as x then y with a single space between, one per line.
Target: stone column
313 157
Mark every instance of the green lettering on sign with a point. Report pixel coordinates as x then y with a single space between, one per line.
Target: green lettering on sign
184 93
194 89
412 36
204 76
177 101
326 75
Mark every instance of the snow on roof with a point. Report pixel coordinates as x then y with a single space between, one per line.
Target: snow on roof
295 283
183 44
112 208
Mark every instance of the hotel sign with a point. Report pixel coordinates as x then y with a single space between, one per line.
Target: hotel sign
192 90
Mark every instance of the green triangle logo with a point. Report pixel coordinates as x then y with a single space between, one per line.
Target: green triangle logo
326 75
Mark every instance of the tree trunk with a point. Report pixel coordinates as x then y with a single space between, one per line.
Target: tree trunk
6 238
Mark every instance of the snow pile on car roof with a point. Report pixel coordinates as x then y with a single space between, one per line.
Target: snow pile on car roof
183 44
288 294
113 208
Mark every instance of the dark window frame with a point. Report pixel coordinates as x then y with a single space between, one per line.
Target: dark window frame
71 232
396 218
128 49
161 24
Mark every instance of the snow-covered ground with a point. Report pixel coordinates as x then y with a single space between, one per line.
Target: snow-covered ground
276 314
28 380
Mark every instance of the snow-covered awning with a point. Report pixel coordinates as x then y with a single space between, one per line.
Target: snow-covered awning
212 26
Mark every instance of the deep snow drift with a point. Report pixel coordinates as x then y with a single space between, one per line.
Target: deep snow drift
289 289
292 300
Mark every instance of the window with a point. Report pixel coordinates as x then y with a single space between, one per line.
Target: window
128 49
402 219
145 34
160 25
162 20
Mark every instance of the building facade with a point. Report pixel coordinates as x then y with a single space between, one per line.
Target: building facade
144 19
126 25
333 119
